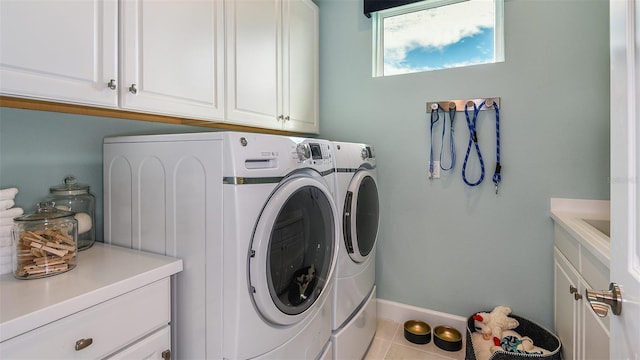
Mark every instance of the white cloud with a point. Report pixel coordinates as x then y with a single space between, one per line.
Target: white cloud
434 28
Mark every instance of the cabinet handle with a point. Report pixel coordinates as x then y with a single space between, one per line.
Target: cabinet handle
166 355
133 89
286 118
83 343
572 289
112 84
281 117
577 296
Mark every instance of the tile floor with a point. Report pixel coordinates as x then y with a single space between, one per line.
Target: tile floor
389 344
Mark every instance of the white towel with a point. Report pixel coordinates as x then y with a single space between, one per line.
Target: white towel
11 213
5 252
5 222
5 269
5 241
6 204
5 263
5 231
8 194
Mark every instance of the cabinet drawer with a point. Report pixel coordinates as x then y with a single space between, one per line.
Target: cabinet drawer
569 246
111 325
593 271
153 346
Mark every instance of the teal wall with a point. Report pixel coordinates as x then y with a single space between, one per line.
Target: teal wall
445 246
38 149
442 246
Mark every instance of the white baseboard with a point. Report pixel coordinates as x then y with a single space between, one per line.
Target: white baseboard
400 313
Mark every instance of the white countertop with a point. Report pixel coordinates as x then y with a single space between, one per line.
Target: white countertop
102 273
570 214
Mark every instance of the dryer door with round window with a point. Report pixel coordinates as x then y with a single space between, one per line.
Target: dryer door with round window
360 216
293 250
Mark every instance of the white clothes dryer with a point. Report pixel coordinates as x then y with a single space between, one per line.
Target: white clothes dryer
356 191
254 220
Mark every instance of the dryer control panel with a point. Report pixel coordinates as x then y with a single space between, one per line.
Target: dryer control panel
367 152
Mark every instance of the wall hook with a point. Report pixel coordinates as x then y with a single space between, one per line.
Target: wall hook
489 104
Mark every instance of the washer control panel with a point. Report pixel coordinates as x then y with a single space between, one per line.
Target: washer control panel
314 152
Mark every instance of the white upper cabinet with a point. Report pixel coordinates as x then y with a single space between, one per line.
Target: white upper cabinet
245 62
59 50
301 66
272 64
170 52
172 59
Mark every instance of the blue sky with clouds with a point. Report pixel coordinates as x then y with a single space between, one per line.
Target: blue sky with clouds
443 37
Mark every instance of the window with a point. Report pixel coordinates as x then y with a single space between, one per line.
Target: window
437 34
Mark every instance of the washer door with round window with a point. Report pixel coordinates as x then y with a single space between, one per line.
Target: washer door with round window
293 250
360 216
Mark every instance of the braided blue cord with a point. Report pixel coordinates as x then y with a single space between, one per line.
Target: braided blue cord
473 139
497 177
452 145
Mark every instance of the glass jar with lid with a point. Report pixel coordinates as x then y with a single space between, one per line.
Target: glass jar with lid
76 198
44 242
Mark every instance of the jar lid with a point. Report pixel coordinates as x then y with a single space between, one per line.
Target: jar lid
69 187
45 211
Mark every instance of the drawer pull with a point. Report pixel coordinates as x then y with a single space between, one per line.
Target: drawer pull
166 355
83 343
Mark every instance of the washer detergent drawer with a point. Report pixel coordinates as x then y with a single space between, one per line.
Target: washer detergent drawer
110 325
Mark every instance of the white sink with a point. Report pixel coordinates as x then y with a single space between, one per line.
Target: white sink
587 221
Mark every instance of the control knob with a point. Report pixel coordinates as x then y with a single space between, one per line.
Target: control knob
365 153
304 151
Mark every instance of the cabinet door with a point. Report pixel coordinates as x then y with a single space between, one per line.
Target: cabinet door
565 307
596 336
171 58
594 331
253 62
59 50
300 66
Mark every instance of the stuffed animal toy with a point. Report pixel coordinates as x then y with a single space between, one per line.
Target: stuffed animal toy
492 324
516 344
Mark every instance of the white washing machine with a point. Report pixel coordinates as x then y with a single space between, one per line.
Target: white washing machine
254 220
354 297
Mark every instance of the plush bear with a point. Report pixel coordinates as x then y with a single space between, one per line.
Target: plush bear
492 324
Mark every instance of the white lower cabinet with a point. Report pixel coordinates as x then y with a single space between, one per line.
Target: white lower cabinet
583 334
115 304
100 330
